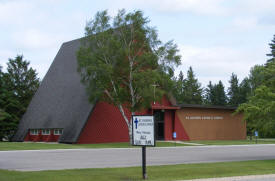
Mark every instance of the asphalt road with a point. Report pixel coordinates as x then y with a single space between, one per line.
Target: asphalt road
125 157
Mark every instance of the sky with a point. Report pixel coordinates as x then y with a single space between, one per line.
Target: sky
215 37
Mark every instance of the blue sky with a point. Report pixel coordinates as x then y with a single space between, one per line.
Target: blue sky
215 37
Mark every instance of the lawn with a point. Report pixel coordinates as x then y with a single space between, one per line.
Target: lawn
160 173
235 142
4 146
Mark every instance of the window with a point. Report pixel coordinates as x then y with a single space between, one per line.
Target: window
58 131
34 132
45 132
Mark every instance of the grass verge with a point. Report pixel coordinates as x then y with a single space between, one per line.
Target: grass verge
4 146
160 173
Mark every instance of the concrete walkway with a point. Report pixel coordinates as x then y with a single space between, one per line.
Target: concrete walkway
269 177
183 142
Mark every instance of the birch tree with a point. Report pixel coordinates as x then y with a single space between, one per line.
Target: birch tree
121 58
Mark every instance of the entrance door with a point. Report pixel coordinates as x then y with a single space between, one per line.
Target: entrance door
159 125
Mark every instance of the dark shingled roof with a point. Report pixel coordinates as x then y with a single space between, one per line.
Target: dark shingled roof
206 106
61 100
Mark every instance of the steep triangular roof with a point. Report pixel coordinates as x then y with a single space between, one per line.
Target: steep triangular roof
61 100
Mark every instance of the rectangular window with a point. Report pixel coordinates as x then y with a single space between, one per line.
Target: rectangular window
58 131
45 132
34 132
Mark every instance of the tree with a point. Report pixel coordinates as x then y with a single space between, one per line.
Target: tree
245 90
256 77
234 91
272 53
18 85
122 58
259 111
209 94
178 87
192 91
215 94
220 95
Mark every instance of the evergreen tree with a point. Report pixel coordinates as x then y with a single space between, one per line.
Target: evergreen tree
220 95
215 94
21 80
234 91
178 90
209 94
272 53
192 91
245 90
18 86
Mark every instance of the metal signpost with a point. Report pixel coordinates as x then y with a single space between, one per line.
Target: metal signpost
256 135
174 137
143 134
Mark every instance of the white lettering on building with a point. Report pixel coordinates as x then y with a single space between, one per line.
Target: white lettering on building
204 117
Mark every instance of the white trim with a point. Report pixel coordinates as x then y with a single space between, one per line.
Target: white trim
57 131
46 131
34 131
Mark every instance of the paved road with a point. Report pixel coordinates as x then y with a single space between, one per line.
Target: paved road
125 157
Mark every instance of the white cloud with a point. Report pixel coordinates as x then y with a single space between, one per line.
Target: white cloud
191 6
14 11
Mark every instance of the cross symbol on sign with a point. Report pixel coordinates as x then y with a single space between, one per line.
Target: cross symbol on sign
136 122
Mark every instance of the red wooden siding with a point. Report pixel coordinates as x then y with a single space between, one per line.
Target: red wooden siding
179 129
105 124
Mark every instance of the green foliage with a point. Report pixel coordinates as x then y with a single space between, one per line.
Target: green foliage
190 91
234 91
122 58
178 87
18 85
256 77
259 111
215 94
245 90
272 53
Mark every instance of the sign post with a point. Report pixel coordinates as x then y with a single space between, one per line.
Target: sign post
143 134
256 135
174 137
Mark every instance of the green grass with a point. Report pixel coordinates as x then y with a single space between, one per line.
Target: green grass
235 142
4 146
156 173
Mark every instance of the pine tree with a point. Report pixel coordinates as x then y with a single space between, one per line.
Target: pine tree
215 94
220 95
178 88
209 94
272 53
234 91
245 90
18 86
192 91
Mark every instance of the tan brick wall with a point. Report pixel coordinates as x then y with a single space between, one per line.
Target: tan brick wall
212 124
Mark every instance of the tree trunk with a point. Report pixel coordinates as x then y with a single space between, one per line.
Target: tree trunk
130 132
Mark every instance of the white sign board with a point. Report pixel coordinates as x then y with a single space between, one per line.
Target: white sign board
143 133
